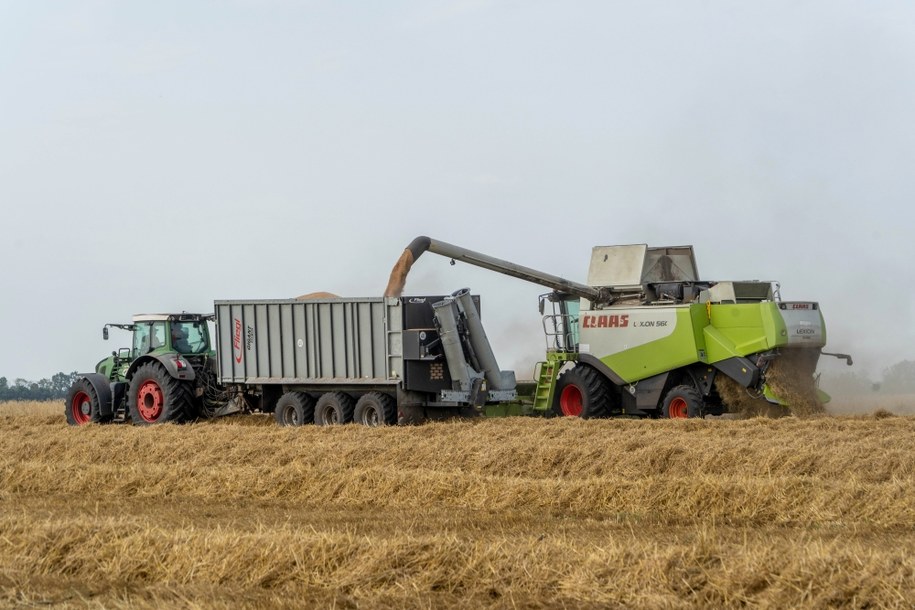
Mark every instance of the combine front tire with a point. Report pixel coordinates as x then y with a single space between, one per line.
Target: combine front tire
582 392
156 397
294 409
375 409
83 404
681 402
334 408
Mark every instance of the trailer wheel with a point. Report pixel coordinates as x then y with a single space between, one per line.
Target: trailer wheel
156 397
682 402
582 392
295 409
375 409
334 408
83 404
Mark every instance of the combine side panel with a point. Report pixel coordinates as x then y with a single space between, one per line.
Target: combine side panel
637 343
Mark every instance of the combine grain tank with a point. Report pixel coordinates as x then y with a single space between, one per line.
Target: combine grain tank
372 360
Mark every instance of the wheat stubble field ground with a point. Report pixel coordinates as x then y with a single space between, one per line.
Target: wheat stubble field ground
527 513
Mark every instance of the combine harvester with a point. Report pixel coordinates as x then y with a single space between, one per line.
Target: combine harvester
645 337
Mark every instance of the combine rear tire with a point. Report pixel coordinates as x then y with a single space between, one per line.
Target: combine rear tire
681 402
334 408
83 405
375 409
294 409
156 397
582 392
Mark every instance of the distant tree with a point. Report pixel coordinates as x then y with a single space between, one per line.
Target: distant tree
51 388
899 378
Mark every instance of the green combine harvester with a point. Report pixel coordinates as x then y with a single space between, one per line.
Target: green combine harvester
646 337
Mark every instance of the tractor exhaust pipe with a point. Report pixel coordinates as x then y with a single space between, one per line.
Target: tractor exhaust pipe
422 243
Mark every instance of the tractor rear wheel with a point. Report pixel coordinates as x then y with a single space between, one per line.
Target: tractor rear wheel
582 392
375 409
156 397
682 402
83 404
294 409
334 408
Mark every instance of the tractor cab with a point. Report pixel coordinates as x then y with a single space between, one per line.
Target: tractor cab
157 335
183 333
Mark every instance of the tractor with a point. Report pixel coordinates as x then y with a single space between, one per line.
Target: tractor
167 375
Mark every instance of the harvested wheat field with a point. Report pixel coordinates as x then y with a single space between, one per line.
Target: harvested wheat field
526 513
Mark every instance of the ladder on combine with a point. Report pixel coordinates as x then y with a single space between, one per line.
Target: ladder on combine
546 373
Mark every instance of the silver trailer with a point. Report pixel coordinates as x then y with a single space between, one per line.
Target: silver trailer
372 360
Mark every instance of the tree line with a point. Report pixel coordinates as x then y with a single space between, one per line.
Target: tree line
50 388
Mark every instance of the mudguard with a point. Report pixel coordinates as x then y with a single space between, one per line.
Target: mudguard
102 387
168 361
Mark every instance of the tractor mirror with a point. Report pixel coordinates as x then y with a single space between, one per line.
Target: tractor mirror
105 333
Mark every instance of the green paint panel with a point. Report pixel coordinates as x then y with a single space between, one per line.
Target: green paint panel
673 351
742 329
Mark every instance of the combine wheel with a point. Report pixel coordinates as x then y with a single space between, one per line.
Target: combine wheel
334 408
582 392
83 405
375 409
295 409
156 397
681 402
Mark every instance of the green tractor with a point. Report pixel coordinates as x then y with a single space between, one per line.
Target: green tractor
168 375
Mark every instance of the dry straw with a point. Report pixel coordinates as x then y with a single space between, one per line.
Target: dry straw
511 513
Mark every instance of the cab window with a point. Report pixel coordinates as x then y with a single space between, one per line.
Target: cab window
141 334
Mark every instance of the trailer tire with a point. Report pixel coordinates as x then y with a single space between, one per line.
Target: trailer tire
83 404
375 409
334 408
155 397
294 409
582 392
683 402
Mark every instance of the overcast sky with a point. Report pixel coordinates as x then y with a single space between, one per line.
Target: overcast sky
155 156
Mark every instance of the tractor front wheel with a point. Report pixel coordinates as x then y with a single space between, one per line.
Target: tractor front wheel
156 397
682 402
83 404
582 392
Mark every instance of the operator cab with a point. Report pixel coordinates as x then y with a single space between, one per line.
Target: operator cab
184 333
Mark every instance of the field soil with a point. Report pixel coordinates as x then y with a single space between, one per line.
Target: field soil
519 513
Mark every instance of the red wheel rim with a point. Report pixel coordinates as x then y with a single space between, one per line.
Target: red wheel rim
150 401
570 401
81 408
678 409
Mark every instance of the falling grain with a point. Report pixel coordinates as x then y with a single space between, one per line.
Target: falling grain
398 278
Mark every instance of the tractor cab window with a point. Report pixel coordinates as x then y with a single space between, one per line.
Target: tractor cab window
190 337
141 336
158 335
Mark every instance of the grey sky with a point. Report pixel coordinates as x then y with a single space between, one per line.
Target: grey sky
158 156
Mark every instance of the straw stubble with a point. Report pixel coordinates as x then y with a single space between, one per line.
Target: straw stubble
506 513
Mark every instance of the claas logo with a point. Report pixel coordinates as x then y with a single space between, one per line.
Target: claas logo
605 321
